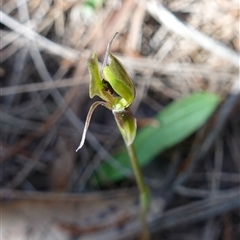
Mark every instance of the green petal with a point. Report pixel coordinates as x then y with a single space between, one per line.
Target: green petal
96 85
120 81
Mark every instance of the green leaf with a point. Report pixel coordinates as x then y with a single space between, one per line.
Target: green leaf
177 121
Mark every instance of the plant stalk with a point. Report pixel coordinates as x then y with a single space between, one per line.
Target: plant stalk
143 189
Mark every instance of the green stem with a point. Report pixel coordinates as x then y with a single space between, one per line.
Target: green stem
143 189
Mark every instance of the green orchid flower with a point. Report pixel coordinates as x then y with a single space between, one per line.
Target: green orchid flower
115 87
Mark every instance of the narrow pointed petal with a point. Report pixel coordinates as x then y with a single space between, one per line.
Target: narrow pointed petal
90 112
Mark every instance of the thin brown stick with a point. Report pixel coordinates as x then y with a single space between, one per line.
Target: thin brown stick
42 42
161 14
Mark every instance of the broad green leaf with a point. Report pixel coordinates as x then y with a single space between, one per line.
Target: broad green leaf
177 121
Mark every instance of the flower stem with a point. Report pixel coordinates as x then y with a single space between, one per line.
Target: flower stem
143 189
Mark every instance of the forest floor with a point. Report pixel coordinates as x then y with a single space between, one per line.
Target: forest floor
171 49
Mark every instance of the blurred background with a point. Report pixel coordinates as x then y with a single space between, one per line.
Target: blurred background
172 50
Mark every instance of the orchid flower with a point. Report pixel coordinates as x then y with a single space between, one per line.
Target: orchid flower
115 87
